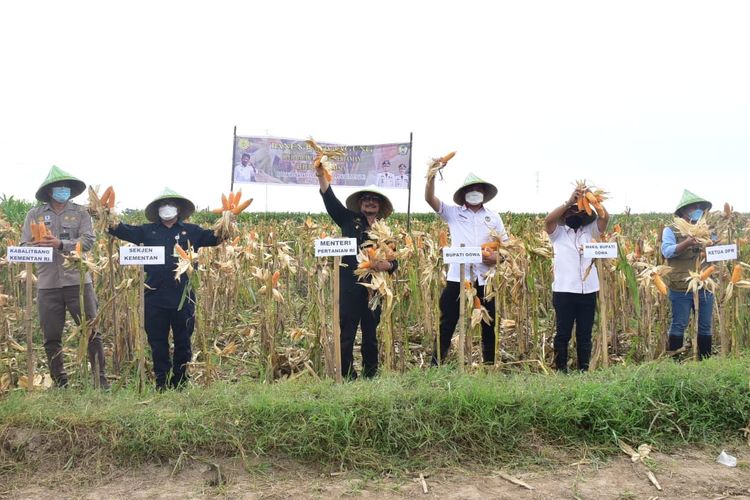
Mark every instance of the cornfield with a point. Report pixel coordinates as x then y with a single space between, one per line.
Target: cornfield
264 301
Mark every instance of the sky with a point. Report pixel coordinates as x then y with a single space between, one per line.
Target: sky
641 98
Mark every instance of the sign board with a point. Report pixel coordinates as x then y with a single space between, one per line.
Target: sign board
141 256
721 252
462 255
30 254
600 250
336 247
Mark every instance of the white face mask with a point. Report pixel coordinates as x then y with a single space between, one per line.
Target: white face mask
167 212
474 197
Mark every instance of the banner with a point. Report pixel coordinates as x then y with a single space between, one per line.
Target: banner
289 161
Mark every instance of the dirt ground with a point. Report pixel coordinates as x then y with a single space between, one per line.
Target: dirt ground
686 475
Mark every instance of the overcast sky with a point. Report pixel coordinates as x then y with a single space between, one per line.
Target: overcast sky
642 99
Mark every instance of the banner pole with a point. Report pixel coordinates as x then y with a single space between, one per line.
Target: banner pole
234 157
408 203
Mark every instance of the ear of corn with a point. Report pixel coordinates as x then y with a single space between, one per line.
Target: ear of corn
242 206
181 252
443 239
224 202
586 205
477 303
445 159
105 198
707 272
659 283
79 249
736 274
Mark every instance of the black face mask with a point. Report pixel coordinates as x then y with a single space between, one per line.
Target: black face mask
574 221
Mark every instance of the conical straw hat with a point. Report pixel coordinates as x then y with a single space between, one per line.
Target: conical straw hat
59 176
185 206
386 207
689 198
471 179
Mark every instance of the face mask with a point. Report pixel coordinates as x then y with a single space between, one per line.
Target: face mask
61 194
474 197
696 215
167 212
574 221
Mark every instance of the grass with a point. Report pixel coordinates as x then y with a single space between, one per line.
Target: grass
433 418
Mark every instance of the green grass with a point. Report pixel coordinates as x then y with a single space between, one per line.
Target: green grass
431 418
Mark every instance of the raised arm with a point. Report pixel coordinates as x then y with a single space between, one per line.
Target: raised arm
429 194
322 181
550 222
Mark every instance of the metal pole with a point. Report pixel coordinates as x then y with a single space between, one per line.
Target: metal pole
234 157
408 203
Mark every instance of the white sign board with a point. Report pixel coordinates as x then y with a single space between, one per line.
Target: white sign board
141 256
335 247
462 255
721 252
30 254
600 250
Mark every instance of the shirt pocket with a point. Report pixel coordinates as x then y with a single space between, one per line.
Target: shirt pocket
69 229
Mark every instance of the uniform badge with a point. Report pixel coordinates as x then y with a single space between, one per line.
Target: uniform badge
47 218
486 218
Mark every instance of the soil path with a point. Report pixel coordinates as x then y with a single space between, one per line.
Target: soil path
687 475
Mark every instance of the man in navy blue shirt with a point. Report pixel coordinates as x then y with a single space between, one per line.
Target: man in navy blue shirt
362 209
163 292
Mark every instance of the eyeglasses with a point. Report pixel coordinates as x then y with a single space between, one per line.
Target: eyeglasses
370 197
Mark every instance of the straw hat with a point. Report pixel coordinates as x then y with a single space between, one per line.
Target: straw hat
386 207
490 191
185 206
58 176
689 198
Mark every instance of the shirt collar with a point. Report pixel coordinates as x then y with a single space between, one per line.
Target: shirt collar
465 208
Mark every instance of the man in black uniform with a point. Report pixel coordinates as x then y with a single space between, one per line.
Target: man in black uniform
362 209
163 293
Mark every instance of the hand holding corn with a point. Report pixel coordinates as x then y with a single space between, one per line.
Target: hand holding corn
226 227
322 161
42 237
588 200
437 165
232 203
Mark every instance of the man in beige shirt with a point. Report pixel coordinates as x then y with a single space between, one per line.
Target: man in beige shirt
58 288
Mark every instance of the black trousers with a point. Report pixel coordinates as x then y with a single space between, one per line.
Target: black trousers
159 320
354 312
449 313
570 308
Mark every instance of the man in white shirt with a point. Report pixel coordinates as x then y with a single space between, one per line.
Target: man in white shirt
245 171
470 224
575 280
402 179
385 178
